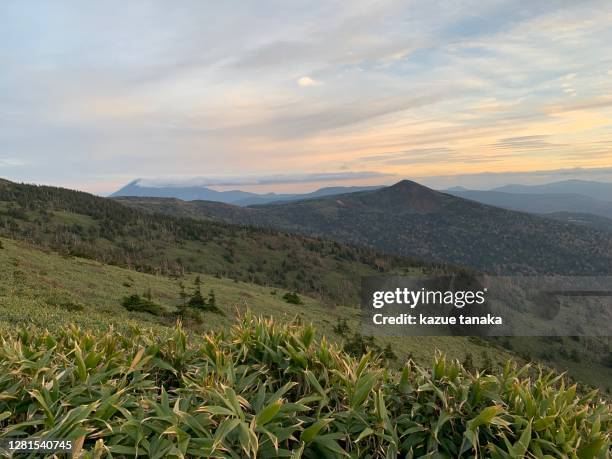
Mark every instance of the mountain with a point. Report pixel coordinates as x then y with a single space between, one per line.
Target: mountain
240 198
80 224
538 203
411 220
136 188
597 190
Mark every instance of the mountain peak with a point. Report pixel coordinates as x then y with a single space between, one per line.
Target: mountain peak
411 188
409 195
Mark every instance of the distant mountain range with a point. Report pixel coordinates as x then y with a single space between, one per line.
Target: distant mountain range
410 219
579 202
597 190
539 203
236 197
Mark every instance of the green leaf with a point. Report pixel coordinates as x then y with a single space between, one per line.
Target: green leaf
311 432
521 446
591 449
364 433
268 413
331 445
485 416
364 386
223 431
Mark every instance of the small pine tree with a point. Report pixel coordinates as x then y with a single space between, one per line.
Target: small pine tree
355 345
342 327
388 353
607 361
212 301
468 363
182 294
197 300
487 363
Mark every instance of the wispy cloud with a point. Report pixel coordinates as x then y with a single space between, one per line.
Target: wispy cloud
415 156
255 180
12 162
528 142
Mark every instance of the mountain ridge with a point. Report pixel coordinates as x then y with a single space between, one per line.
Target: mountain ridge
542 203
593 189
236 197
410 219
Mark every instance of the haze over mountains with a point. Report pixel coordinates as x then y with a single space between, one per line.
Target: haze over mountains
596 190
570 200
540 203
236 197
575 201
410 219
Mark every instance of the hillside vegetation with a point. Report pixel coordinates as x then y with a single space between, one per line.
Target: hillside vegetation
42 290
270 390
87 226
408 219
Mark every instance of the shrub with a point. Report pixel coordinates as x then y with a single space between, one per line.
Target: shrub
292 298
269 390
607 361
359 345
139 304
342 327
468 363
189 315
197 301
63 302
71 306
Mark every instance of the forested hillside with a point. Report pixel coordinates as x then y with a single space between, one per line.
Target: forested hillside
84 225
408 219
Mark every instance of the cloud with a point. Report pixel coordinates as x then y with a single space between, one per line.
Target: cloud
415 156
12 162
307 81
529 142
253 180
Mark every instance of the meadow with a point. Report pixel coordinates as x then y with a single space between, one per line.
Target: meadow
43 290
262 377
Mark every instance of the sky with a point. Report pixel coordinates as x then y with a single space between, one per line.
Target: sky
290 96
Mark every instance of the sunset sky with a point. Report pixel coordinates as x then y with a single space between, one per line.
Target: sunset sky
277 95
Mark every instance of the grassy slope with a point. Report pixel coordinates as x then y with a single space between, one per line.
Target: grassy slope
34 284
